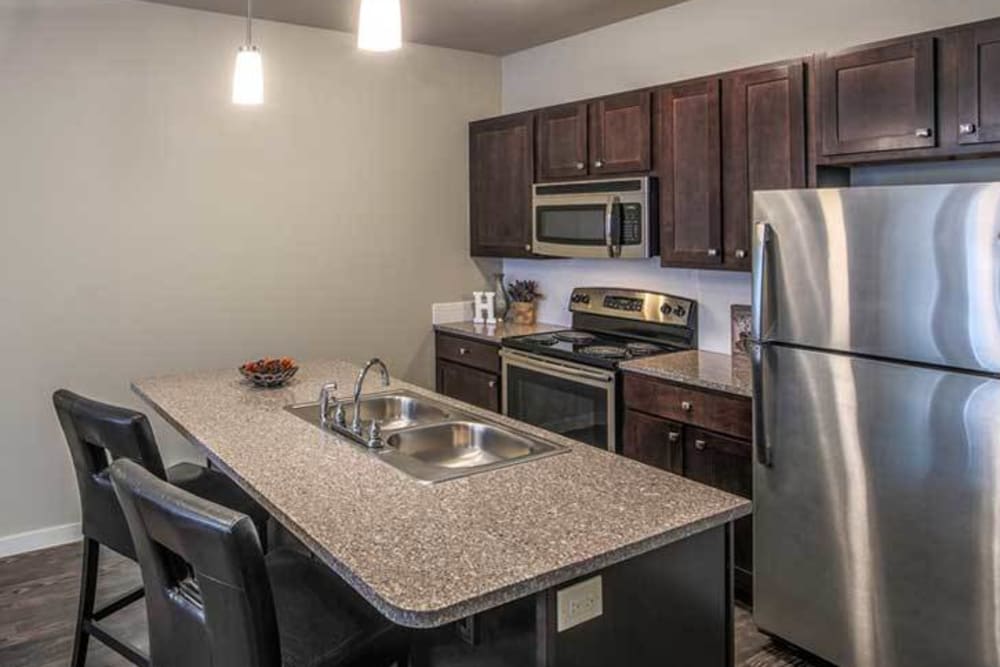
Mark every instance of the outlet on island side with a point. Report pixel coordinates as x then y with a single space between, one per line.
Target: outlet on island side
579 603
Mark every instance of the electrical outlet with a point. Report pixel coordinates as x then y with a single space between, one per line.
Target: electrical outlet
579 603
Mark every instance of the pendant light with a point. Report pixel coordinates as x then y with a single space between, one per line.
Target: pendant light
248 79
380 25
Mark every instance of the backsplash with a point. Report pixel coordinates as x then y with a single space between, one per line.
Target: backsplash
715 291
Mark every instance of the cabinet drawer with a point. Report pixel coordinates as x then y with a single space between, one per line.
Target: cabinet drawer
716 412
469 352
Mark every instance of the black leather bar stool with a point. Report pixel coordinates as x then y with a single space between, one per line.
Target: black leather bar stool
98 434
214 599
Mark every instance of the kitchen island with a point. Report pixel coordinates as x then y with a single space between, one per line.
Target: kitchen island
505 542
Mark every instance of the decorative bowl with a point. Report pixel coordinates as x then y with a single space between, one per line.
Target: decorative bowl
269 372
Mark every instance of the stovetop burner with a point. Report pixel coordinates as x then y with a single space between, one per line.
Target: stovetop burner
570 336
605 351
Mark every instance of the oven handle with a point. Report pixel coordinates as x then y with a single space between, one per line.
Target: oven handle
567 372
611 230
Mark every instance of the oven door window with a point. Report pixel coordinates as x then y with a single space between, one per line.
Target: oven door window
581 225
573 409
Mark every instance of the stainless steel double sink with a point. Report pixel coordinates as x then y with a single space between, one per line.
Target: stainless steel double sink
433 442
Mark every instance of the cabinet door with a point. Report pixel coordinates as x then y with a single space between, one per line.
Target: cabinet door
690 166
656 442
620 129
562 142
764 147
879 98
726 463
501 173
468 384
979 85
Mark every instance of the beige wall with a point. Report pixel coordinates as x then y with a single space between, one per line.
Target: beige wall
696 38
148 226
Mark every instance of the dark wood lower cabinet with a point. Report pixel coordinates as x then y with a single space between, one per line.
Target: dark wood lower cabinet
711 458
471 385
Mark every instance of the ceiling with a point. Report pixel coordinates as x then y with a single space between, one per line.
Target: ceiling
488 26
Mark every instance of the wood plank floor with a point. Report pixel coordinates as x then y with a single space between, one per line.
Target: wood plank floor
38 596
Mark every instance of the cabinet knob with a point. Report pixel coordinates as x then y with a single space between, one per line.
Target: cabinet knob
967 128
713 252
492 384
528 247
700 445
740 254
463 351
687 406
673 437
923 132
580 166
599 163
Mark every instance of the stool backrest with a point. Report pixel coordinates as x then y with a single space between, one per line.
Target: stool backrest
208 596
97 434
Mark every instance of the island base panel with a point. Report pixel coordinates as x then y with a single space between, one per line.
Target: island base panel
669 606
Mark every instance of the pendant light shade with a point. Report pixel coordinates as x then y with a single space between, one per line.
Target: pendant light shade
248 79
380 25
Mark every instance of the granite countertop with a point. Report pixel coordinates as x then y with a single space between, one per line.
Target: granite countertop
496 334
426 555
710 370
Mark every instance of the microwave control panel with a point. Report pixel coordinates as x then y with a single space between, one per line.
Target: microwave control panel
631 224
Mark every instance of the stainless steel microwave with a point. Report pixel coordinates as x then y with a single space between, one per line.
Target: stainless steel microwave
598 219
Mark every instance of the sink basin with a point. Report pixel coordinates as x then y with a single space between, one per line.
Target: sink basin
464 444
395 411
431 441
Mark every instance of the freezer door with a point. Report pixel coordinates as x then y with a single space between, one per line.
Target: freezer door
877 521
905 272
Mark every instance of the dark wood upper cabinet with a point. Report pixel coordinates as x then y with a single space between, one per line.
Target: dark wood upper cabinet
501 173
979 85
620 128
879 98
764 147
688 145
562 142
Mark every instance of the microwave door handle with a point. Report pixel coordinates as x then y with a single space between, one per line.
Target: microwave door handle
612 228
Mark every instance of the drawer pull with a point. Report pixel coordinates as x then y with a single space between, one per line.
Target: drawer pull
923 132
687 406
673 437
463 351
700 445
492 384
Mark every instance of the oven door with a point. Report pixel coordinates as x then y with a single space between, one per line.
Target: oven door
574 401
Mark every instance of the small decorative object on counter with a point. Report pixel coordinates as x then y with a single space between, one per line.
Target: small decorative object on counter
501 305
482 308
524 294
269 372
741 317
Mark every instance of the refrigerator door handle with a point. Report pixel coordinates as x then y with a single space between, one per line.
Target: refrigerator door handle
762 449
761 250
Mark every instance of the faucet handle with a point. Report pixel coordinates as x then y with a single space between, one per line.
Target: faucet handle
324 401
340 416
375 440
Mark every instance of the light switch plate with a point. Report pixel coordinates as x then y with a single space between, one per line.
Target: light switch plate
579 603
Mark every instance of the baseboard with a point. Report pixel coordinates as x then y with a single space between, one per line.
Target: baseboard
42 538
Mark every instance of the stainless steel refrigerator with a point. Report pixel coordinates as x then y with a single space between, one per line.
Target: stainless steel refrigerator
877 423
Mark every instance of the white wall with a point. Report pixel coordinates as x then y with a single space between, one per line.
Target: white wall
696 38
149 226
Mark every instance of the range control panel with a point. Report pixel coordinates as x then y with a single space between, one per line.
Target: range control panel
633 304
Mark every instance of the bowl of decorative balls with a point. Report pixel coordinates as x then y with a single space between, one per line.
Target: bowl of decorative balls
269 372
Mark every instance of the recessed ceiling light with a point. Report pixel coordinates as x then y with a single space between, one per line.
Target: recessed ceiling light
380 25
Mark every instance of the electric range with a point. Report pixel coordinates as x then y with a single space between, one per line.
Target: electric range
569 381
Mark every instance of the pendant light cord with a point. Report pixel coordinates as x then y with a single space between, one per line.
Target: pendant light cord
249 22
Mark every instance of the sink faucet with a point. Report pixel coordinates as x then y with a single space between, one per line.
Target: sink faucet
383 371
